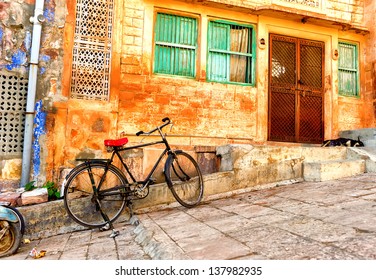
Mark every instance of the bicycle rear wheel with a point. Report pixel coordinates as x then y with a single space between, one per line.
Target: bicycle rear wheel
85 207
184 178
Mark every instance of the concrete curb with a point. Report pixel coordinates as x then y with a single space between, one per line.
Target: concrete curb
145 238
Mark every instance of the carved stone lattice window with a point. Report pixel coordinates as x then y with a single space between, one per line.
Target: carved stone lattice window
12 114
92 50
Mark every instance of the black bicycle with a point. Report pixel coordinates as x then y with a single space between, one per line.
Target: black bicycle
96 192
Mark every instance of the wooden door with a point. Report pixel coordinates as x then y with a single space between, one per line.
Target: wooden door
296 87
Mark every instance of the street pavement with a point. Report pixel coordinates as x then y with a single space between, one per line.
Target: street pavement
332 220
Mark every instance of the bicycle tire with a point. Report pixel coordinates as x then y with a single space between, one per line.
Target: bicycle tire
184 179
79 198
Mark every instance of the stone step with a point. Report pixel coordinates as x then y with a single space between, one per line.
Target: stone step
313 154
364 134
370 143
318 171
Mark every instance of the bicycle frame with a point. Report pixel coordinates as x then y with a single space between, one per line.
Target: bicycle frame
116 151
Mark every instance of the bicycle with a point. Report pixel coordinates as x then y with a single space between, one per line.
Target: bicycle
96 192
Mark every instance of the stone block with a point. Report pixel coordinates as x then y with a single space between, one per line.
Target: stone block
11 169
324 153
9 185
11 197
36 196
230 154
331 170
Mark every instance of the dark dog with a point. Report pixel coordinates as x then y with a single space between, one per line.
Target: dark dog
343 142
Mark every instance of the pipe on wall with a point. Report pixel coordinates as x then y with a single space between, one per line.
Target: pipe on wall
37 21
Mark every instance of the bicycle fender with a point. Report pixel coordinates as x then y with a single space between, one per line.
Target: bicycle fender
8 215
167 164
85 164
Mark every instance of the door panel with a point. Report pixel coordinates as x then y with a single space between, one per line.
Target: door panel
296 90
282 117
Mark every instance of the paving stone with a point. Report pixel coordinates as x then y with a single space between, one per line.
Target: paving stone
77 253
316 229
362 245
208 249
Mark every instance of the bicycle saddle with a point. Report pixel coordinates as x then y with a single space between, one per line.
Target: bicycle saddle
115 143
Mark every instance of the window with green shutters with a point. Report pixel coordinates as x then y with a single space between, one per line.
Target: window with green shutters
175 45
348 69
231 53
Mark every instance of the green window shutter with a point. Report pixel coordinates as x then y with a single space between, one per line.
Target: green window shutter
218 61
348 69
231 52
175 45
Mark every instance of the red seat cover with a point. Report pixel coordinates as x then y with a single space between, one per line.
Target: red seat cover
115 143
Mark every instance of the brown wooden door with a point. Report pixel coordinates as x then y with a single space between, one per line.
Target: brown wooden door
296 86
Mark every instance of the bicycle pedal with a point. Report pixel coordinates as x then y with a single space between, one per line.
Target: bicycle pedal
114 233
105 227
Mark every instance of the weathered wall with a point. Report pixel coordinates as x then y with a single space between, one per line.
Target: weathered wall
204 113
16 40
370 68
229 111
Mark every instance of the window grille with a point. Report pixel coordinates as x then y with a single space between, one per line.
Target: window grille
12 114
92 50
231 53
348 69
175 45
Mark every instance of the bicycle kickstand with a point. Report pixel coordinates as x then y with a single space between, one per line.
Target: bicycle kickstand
108 226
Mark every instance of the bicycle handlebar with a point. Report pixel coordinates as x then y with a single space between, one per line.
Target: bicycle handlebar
166 121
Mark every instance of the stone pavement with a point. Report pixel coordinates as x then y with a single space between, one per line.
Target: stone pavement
308 220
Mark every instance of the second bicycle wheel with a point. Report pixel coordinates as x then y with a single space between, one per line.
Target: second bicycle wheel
184 178
81 203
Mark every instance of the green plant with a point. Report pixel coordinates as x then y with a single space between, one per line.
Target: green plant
53 192
30 186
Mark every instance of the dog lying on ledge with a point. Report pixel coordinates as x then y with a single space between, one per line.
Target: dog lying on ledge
346 142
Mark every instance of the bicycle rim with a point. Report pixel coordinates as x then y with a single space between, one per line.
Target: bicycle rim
83 206
185 179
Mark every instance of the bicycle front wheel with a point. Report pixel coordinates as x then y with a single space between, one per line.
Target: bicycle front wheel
184 178
88 208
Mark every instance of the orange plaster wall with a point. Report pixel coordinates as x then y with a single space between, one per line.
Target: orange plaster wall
204 113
